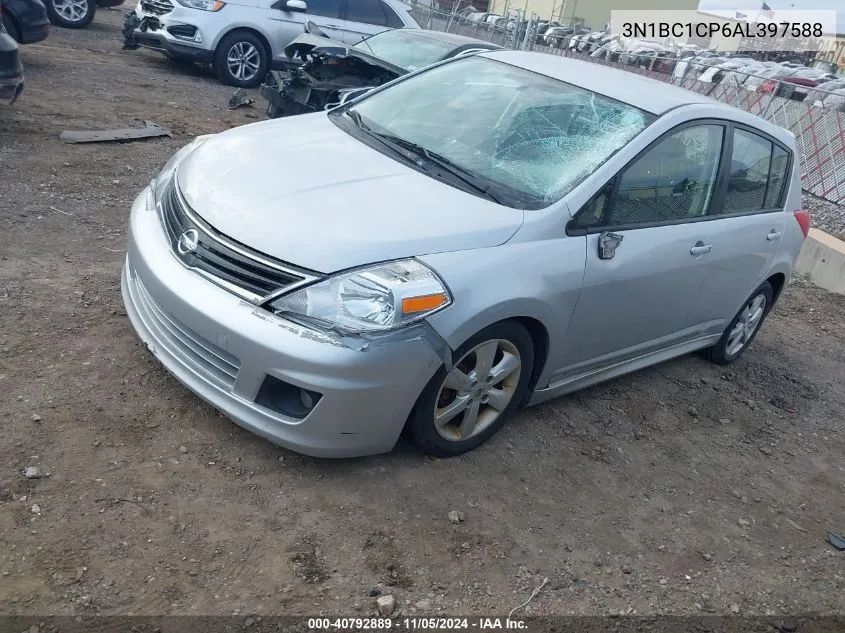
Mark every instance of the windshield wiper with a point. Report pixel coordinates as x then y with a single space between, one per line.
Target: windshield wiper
465 176
409 150
353 114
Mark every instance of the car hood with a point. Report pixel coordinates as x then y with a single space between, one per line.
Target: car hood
304 191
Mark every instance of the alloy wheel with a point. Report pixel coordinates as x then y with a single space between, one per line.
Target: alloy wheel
477 390
746 325
71 10
243 61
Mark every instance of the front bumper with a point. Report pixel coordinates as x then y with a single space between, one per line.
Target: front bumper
153 33
222 348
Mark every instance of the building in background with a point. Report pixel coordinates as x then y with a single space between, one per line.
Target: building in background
834 53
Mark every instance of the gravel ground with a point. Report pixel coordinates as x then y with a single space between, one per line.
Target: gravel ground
685 488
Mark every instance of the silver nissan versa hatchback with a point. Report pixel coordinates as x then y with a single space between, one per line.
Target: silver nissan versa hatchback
488 232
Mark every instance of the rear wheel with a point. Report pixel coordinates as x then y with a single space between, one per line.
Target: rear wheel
464 407
71 14
743 328
241 60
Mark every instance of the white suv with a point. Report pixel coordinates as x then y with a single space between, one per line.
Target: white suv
241 39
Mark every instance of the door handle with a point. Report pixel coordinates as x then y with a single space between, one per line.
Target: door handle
773 235
700 248
608 243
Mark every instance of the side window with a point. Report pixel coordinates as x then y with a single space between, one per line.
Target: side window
749 173
674 180
366 11
324 8
393 20
780 161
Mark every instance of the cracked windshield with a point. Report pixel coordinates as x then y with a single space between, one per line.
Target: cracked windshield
531 139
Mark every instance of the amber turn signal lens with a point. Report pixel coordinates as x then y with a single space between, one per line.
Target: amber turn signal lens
412 305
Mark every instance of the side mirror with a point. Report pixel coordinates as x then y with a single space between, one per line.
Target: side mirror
295 5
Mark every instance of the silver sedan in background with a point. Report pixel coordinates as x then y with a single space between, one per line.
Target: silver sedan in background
485 233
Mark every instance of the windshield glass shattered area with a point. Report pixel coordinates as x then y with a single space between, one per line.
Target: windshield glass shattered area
403 49
531 137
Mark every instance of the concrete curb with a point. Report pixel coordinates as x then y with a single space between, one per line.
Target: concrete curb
822 261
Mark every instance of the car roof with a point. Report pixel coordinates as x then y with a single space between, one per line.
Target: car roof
644 93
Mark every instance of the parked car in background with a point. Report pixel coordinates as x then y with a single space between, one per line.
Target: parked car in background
77 14
321 73
242 38
493 230
26 20
11 69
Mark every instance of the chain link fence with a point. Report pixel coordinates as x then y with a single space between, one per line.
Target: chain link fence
817 119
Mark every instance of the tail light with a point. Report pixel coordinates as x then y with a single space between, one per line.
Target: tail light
803 217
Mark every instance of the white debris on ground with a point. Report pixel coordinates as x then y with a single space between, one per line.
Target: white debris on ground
825 215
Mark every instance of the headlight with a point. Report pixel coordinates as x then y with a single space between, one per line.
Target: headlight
373 299
170 167
203 5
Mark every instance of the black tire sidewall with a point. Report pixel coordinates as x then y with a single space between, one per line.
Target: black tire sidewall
421 422
58 20
719 352
223 48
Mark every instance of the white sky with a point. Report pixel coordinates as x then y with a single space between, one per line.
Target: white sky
750 7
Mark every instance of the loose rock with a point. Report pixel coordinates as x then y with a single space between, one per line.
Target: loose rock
626 569
454 518
183 449
34 472
386 604
693 412
743 523
734 608
36 417
423 605
35 509
766 450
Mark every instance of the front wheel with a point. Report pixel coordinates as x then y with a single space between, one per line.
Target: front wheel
71 14
241 60
464 407
744 327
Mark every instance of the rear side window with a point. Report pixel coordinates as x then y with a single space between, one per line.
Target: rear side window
674 180
366 11
780 162
324 8
749 173
393 20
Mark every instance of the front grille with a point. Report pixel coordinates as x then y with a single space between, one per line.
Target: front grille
202 354
246 272
157 7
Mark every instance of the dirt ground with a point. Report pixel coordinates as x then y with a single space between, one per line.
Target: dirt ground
686 488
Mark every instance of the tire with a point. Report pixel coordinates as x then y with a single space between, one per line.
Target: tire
11 28
248 46
499 344
729 347
71 14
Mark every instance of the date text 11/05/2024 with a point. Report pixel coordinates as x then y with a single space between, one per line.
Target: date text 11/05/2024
733 30
416 624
